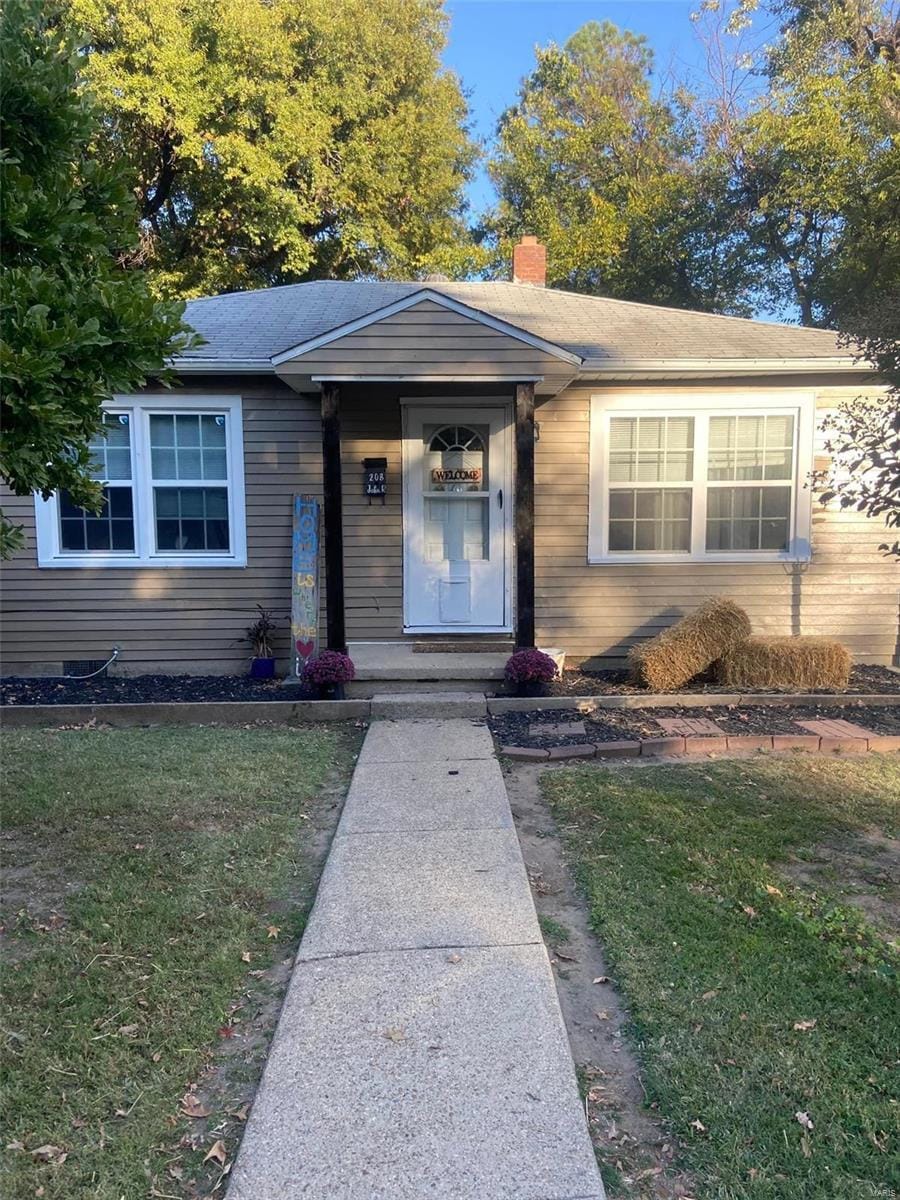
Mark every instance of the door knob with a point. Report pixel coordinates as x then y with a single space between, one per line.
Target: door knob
500 497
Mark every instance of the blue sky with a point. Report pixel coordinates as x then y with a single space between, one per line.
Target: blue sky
492 44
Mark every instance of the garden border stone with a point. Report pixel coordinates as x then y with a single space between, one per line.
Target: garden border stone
241 712
225 712
498 705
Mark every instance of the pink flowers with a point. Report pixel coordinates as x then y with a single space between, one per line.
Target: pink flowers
329 666
530 666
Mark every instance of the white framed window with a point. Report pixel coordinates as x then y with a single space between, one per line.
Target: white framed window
172 469
700 477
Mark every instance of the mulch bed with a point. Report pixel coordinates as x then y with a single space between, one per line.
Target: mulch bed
148 689
612 725
864 680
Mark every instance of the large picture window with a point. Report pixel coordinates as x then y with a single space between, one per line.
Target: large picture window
172 475
698 481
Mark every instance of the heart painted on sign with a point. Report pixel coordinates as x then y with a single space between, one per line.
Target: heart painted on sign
304 649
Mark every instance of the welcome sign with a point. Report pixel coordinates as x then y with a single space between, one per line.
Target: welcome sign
304 581
442 475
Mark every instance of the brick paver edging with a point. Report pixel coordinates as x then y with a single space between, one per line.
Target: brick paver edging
686 746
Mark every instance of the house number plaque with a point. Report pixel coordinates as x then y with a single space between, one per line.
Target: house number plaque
375 477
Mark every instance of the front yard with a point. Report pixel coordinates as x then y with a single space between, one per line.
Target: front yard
156 884
748 911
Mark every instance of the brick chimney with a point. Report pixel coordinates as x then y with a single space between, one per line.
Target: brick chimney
530 261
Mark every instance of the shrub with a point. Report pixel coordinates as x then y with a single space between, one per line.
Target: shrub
259 634
676 655
530 666
329 666
796 664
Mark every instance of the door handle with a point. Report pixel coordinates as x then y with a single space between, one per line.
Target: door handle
500 497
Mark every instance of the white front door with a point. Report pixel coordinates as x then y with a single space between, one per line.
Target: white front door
457 509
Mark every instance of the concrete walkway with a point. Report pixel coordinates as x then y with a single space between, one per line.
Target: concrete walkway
421 1050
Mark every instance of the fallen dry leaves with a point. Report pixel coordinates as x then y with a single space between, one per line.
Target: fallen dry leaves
193 1106
50 1154
803 1026
217 1153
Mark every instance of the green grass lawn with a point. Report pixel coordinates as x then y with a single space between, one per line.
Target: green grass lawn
765 1013
155 882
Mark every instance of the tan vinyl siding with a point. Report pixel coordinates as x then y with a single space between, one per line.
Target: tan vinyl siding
190 620
848 590
373 533
431 341
175 620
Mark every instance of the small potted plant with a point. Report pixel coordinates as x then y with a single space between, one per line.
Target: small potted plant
529 672
259 635
329 671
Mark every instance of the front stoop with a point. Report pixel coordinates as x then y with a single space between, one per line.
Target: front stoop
421 1050
389 667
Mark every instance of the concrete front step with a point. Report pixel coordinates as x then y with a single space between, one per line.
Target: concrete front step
365 689
390 706
388 661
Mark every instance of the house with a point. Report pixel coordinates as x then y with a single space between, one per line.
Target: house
559 469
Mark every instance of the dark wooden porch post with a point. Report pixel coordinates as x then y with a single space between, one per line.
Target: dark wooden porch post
524 515
333 516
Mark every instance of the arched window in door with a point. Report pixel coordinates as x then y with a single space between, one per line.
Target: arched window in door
455 484
456 460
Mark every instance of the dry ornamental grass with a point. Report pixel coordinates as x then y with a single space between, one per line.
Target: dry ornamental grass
786 663
676 655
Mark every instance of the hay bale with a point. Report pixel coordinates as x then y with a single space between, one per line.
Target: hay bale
675 656
787 664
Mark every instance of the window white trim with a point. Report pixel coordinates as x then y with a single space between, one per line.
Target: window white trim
701 405
49 550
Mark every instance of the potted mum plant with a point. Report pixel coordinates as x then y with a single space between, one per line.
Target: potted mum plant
329 671
259 635
529 672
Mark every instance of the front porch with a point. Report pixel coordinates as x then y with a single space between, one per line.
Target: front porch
438 397
448 549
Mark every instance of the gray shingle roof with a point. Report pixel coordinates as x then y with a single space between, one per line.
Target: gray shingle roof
247 326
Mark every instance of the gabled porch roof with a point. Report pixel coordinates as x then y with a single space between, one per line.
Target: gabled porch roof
427 338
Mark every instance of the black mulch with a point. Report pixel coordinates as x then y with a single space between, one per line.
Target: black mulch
148 689
864 680
611 725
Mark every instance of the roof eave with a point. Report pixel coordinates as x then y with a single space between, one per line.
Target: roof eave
223 366
650 368
592 368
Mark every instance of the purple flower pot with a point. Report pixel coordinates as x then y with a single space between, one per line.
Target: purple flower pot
262 668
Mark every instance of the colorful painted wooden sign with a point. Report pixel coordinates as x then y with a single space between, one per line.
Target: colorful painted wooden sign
305 581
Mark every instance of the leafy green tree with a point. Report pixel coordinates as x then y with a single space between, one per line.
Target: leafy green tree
271 141
615 180
76 326
814 157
